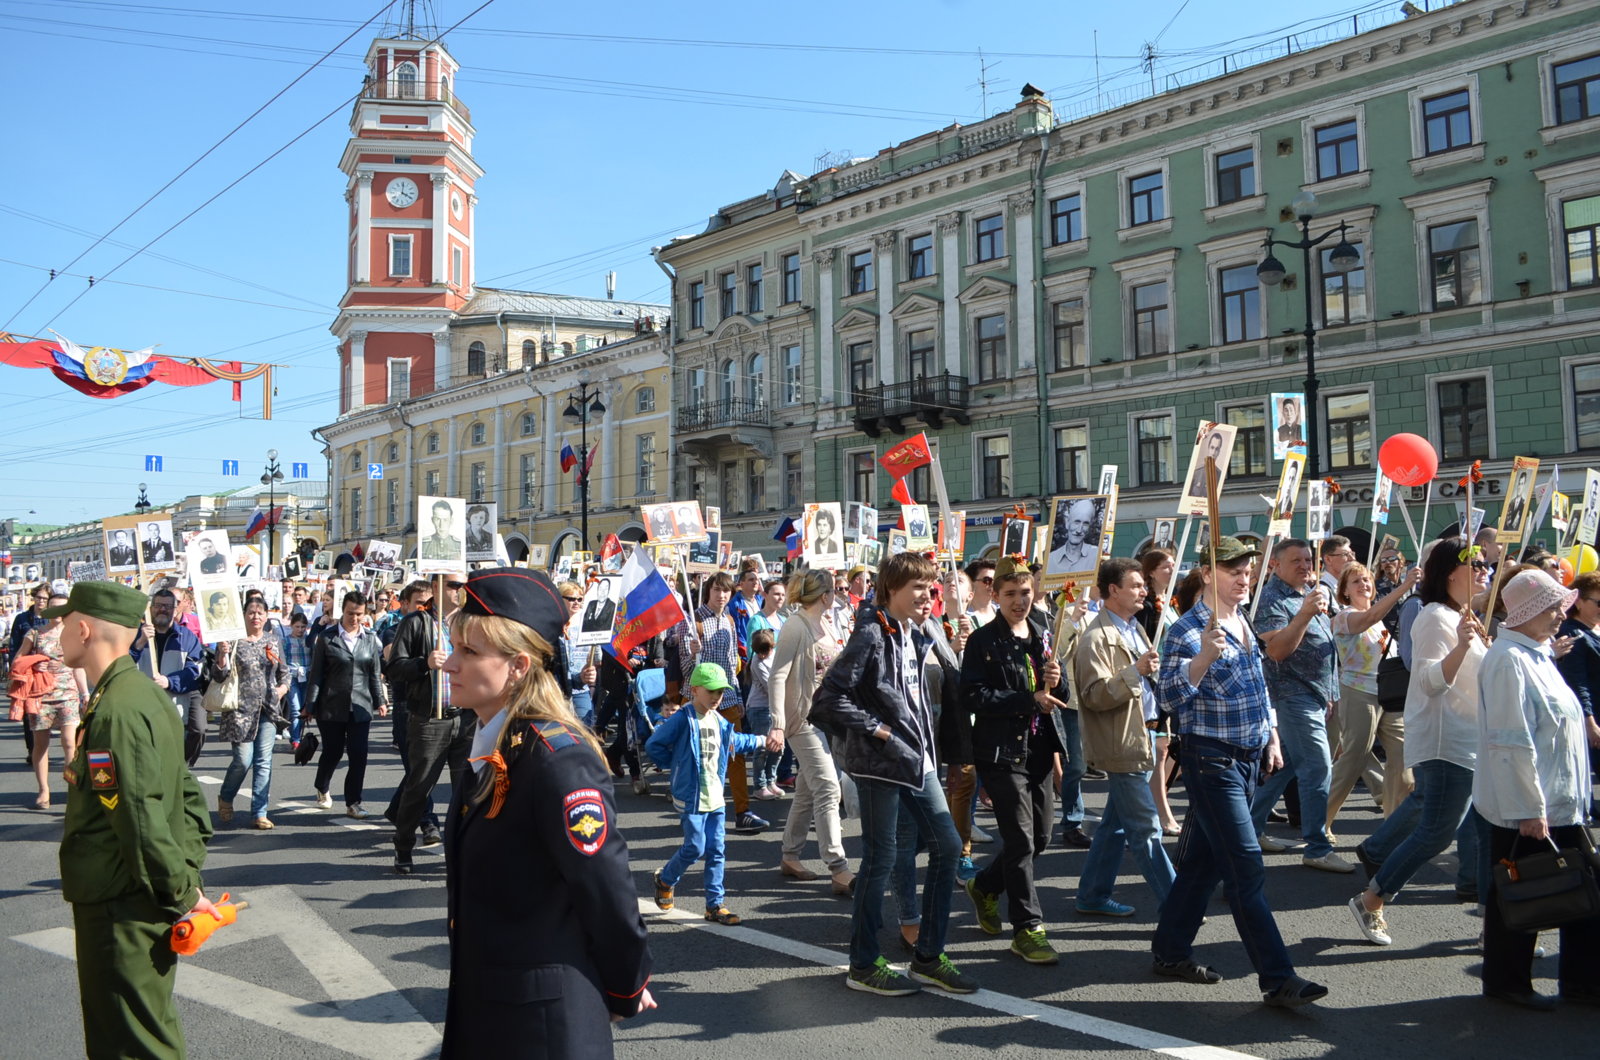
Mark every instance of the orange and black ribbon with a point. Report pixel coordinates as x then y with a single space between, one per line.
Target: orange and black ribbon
1474 475
502 780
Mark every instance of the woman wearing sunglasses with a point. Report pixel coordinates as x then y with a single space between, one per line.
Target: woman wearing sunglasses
1441 724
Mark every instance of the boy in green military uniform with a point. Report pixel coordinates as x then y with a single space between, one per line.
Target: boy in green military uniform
136 833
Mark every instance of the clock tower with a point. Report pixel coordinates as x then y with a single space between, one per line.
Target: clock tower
412 214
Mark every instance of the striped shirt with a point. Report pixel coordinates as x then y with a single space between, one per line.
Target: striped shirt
1230 704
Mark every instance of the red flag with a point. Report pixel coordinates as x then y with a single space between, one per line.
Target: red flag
905 457
588 461
901 492
611 547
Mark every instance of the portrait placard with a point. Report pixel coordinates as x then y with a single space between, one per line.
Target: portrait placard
441 536
483 521
897 542
1519 500
155 545
381 555
953 534
1288 495
1319 511
1288 425
121 538
1214 440
1165 536
538 555
919 527
1590 520
1015 533
217 607
703 554
821 536
673 521
1076 526
595 619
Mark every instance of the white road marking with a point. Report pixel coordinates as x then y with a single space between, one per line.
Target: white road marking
1055 1016
207 780
368 1017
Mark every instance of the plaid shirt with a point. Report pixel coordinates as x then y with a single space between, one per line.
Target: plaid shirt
719 643
1231 703
297 656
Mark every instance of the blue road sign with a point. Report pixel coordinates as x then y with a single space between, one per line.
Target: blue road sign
152 463
230 467
374 471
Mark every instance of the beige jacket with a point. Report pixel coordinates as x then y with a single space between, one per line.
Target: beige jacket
798 663
1109 713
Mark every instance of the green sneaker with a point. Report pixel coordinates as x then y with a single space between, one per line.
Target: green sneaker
1031 946
987 906
881 979
940 972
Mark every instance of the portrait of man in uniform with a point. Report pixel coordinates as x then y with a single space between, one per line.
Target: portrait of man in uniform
119 551
442 544
157 544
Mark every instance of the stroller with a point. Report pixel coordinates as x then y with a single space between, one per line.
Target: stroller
647 692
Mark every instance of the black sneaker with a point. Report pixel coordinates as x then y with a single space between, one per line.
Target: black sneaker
430 836
402 864
940 972
1188 971
1294 992
882 980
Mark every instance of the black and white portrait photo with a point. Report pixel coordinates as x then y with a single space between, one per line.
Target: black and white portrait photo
1014 537
442 531
482 519
210 557
822 536
155 541
120 554
598 613
919 529
381 555
1165 535
1075 529
1288 424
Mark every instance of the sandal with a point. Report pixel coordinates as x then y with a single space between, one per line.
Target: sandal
722 915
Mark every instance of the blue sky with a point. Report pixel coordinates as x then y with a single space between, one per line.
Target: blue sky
605 129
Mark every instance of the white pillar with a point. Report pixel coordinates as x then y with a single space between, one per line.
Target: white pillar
883 257
498 486
823 259
358 369
441 359
441 226
552 453
363 226
452 459
1021 212
950 273
608 448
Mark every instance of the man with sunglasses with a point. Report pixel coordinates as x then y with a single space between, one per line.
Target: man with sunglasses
982 607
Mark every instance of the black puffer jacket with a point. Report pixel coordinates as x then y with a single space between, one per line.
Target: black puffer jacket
995 686
863 690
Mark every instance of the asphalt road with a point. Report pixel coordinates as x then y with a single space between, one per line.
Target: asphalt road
338 958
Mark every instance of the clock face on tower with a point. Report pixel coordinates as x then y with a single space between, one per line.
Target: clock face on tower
401 192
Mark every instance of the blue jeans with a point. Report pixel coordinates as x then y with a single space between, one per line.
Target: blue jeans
583 707
759 720
702 834
1303 732
908 840
880 816
296 697
1219 845
259 754
1422 827
1130 821
1072 769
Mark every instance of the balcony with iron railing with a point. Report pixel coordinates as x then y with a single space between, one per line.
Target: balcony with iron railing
932 399
416 92
723 414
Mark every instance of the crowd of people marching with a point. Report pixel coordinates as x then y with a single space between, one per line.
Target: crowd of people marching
904 697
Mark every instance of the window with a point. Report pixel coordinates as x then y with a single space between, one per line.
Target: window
455 266
791 278
753 301
921 479
1072 458
1155 448
989 234
528 467
405 80
644 399
1152 324
792 480
394 453
919 353
1068 316
1236 175
864 478
994 465
697 304
1463 418
990 334
756 380
919 256
432 444
392 501
399 255
530 424
1349 418
430 483
645 463
355 508
861 272
727 295
355 461
1066 219
1338 149
1586 404
728 383
756 489
530 353
697 387
1344 294
862 371
792 394
480 482
1250 450
1239 310
1447 122
1146 198
478 434
477 359
1577 89
730 483
399 379
1453 264
1580 219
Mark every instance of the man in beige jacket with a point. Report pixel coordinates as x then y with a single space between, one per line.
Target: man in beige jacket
1115 664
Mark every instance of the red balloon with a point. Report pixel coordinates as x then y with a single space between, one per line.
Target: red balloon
1567 573
1408 459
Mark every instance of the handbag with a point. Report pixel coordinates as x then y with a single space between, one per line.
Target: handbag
1547 889
222 696
1393 680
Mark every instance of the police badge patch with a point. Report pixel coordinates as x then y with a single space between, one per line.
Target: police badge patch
586 821
102 771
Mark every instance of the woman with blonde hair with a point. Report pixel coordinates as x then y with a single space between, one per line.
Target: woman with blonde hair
807 646
547 947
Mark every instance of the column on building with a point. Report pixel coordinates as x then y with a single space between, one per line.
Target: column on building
441 226
441 359
950 279
358 369
1020 209
823 260
452 459
498 490
552 453
363 263
608 461
883 259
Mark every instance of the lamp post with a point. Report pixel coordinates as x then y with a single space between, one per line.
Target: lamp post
1271 272
143 504
580 407
270 479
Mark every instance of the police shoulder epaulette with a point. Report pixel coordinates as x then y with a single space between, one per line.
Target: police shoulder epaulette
555 735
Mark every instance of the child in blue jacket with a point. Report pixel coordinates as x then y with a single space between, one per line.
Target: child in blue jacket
698 743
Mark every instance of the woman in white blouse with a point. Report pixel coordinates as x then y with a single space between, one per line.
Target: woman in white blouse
1532 785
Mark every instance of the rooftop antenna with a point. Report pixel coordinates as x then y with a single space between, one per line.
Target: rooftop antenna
409 24
1099 103
985 83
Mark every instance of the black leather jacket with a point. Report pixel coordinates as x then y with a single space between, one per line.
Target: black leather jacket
343 686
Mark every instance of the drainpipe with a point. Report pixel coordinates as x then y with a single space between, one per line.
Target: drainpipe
1041 323
672 370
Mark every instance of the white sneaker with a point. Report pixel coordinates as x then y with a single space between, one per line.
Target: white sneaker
354 810
324 800
1329 862
1271 845
1371 922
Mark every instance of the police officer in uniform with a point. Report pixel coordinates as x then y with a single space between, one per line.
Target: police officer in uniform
546 943
135 834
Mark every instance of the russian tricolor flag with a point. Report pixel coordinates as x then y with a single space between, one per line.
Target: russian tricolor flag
648 605
569 459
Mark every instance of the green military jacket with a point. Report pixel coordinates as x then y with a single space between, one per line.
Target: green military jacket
135 821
